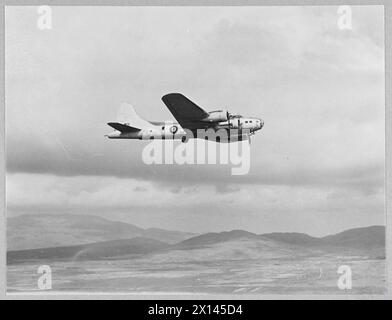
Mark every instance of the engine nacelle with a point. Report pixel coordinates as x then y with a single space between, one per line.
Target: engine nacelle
217 116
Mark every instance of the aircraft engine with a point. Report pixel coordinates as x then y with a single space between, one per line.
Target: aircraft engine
233 124
217 116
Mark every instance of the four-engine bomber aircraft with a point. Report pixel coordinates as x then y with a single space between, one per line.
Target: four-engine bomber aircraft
191 119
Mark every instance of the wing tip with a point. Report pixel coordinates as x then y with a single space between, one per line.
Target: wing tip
172 94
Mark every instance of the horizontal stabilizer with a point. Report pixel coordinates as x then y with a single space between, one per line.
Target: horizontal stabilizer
122 127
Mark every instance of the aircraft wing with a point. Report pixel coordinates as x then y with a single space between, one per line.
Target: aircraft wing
187 113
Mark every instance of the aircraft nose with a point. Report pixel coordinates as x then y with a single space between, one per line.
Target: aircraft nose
261 123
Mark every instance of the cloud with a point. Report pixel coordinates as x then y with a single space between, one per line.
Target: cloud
260 209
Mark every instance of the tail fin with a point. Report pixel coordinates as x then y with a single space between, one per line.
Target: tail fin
127 117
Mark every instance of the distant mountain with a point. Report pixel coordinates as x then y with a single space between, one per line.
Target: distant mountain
368 237
213 237
52 230
295 238
91 237
93 251
231 245
360 238
167 236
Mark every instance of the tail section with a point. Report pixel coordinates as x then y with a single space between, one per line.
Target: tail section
128 116
129 120
122 127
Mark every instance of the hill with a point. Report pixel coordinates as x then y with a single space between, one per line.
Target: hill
65 237
368 237
93 251
294 238
213 237
357 238
52 230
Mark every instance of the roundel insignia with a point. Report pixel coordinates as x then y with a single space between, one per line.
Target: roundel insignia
173 129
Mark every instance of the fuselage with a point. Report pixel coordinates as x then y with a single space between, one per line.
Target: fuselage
235 129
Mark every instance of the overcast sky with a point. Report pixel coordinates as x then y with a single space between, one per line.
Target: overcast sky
317 166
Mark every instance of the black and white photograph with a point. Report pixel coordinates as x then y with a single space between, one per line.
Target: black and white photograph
195 150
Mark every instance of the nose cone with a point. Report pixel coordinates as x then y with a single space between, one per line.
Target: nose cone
260 124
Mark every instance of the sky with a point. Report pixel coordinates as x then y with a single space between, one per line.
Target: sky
317 166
